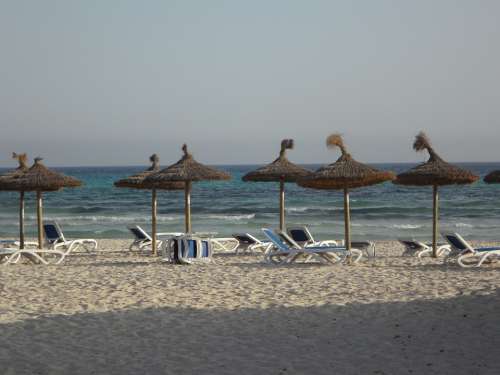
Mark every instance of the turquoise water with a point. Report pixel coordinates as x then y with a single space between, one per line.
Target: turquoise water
385 211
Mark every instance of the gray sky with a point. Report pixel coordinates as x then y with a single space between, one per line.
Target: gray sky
109 82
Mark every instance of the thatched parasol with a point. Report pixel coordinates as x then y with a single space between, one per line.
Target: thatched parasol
6 184
186 170
492 177
435 172
137 182
39 178
281 170
346 173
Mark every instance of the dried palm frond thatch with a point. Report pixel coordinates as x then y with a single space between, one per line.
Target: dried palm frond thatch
345 173
40 178
492 177
6 185
434 172
6 178
137 181
186 170
281 170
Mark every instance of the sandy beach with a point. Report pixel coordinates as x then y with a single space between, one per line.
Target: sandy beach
113 312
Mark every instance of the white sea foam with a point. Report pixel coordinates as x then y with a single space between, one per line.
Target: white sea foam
464 225
305 209
68 220
230 217
406 226
297 209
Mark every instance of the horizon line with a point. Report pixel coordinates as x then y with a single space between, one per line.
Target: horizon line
253 164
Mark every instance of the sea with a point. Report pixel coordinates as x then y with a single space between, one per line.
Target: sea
381 212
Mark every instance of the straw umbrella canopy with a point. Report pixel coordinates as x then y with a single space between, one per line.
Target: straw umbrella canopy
40 179
136 181
6 184
492 177
435 172
281 170
345 174
186 170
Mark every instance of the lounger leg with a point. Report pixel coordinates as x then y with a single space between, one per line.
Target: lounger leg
483 259
421 253
463 257
328 258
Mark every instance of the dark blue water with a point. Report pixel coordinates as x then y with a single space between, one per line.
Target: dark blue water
385 211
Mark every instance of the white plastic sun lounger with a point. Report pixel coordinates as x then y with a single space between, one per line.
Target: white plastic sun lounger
55 239
286 251
13 255
142 239
419 249
302 236
465 251
248 243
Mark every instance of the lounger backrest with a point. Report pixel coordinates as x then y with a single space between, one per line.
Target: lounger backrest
53 232
139 233
411 244
246 239
288 240
300 235
275 239
457 242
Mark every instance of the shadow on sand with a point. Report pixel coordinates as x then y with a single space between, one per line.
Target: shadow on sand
455 336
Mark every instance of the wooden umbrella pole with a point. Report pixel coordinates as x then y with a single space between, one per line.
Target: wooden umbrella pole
187 205
39 218
435 218
347 220
21 220
154 206
282 204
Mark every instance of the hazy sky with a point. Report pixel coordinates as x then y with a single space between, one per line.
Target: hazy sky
109 82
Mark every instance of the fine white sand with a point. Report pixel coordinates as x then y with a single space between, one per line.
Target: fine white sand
113 312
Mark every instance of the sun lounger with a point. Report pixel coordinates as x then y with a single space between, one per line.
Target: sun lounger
141 238
302 236
187 249
13 255
419 249
247 242
465 251
285 250
55 239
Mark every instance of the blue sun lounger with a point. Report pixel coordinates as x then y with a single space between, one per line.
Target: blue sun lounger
285 250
